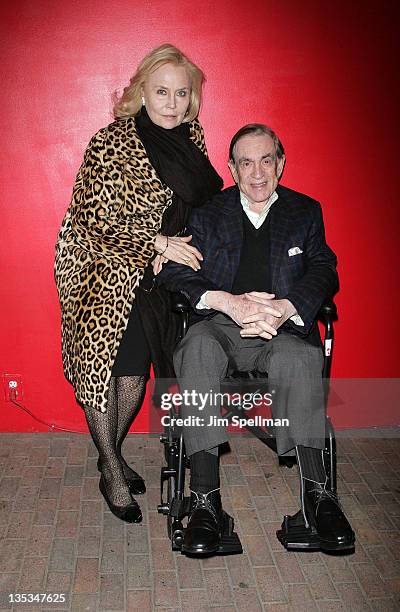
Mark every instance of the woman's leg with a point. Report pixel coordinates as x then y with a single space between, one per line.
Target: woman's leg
103 428
130 393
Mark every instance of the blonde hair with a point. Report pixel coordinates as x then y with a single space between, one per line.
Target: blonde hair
130 103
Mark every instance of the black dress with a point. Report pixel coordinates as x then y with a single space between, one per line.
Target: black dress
133 356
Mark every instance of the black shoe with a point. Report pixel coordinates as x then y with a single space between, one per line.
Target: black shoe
135 483
288 462
203 531
325 514
130 513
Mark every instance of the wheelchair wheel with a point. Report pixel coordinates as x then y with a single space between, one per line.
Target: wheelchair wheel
169 526
174 525
170 497
177 535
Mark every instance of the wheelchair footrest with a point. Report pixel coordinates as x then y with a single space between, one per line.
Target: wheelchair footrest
230 545
294 535
230 542
180 507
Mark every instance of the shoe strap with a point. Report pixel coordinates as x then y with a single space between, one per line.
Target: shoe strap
203 502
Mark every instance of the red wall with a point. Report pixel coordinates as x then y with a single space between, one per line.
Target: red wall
323 74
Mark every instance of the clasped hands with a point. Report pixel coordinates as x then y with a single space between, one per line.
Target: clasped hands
175 248
258 313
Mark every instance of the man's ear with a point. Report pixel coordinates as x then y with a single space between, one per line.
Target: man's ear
280 167
232 168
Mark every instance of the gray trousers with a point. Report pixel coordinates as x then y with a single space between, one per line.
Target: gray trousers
212 349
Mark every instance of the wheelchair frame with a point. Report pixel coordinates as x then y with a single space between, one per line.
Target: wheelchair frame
293 535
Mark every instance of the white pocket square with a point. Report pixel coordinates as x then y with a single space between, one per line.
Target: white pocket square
294 251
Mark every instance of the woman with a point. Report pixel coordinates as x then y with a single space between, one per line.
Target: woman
139 178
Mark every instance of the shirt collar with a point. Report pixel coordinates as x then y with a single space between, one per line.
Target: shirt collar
257 219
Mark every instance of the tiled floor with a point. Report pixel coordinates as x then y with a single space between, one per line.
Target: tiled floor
57 535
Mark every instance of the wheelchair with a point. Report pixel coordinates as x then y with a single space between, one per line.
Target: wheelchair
293 535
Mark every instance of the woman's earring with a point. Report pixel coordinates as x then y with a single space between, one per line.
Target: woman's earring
143 101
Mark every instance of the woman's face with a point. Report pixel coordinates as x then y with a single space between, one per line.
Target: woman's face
167 95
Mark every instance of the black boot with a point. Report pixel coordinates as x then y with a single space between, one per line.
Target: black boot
203 531
320 506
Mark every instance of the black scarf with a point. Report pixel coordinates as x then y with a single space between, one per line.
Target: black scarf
187 171
181 166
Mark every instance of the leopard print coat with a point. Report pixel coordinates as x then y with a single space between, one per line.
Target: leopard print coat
104 245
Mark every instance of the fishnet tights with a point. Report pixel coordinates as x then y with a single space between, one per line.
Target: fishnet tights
130 394
108 431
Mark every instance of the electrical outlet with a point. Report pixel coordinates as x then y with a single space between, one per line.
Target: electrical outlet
12 386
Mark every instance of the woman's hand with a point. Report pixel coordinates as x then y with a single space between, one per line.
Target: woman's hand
158 264
176 248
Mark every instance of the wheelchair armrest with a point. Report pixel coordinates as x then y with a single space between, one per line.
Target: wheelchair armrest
327 314
180 303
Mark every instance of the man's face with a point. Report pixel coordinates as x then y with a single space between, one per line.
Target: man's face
256 169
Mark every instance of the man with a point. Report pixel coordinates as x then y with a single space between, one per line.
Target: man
266 271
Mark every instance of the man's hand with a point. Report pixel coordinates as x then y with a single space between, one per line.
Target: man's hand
264 322
240 307
243 310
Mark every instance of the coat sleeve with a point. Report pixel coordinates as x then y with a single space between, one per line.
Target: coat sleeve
320 280
97 210
197 135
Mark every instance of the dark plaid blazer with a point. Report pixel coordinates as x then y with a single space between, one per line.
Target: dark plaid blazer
306 278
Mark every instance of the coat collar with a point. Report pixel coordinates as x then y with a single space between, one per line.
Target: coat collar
232 209
281 225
